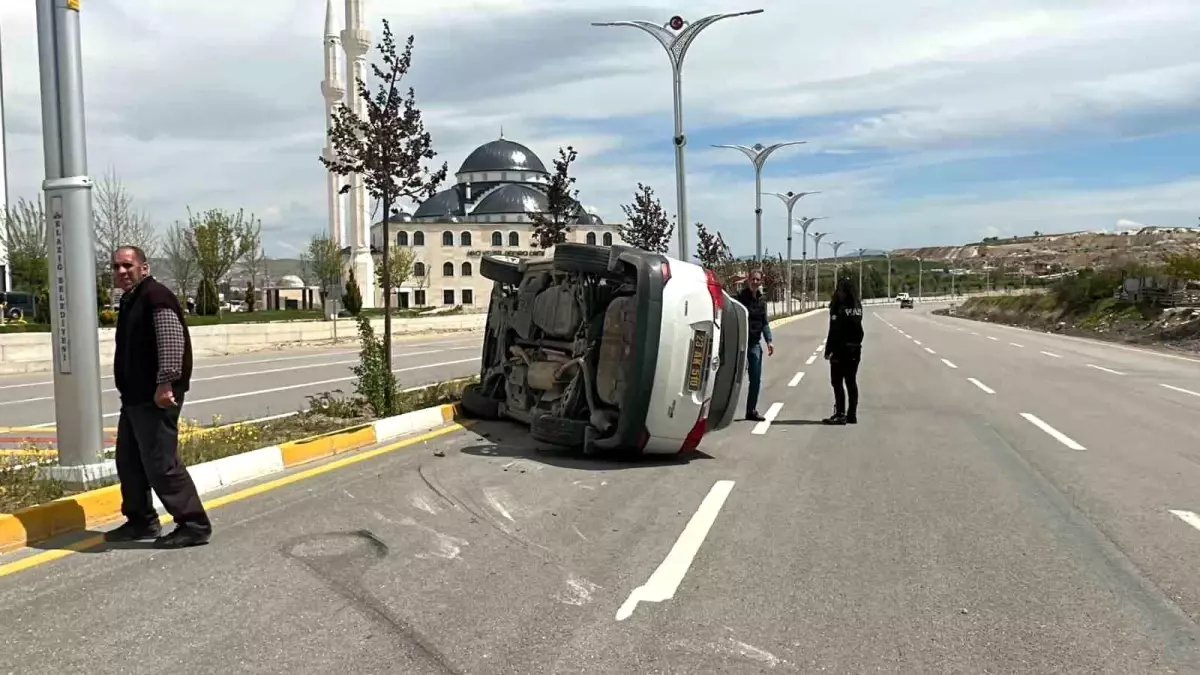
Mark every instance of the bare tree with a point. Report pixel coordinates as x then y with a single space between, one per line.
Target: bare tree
178 259
323 263
389 148
25 228
253 262
117 220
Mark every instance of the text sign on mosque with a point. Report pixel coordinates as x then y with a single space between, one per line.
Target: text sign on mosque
511 254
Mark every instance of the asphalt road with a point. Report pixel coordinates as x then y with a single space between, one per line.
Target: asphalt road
258 384
1017 522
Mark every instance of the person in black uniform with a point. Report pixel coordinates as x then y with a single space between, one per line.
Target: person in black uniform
843 350
751 297
152 369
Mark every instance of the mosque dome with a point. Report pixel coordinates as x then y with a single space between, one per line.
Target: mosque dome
444 204
502 155
512 198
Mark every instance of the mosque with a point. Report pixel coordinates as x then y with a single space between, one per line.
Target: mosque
484 212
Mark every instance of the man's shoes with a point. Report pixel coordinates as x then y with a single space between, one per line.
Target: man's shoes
753 416
852 419
836 419
133 532
182 537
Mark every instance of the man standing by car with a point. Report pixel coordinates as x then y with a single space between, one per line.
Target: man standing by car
153 369
752 298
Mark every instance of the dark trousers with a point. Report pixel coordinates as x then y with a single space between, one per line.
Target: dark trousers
148 459
843 374
754 356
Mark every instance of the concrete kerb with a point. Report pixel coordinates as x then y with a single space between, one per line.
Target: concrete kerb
95 507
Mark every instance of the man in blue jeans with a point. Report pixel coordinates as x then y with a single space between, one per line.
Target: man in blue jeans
751 297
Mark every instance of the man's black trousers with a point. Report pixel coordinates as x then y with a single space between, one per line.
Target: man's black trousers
148 459
843 374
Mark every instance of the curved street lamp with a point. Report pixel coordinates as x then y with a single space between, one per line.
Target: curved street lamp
804 223
817 237
675 36
789 200
758 155
837 245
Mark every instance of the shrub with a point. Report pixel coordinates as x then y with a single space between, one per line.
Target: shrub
352 299
208 302
375 380
108 317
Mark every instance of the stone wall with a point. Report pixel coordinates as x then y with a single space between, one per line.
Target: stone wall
30 352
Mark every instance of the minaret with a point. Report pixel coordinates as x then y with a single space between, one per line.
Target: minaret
356 41
335 93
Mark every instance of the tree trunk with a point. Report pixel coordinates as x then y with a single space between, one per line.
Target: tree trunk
387 302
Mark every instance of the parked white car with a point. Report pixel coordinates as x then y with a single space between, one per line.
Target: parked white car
610 348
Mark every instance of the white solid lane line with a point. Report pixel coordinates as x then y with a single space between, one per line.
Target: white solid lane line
930 350
949 364
289 387
666 579
983 387
1181 390
1054 433
1188 517
1107 370
796 380
1016 345
810 360
1052 355
772 413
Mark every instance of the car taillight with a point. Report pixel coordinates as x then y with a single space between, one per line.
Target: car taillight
692 440
714 291
666 271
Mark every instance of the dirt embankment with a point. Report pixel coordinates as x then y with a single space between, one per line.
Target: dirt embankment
1108 318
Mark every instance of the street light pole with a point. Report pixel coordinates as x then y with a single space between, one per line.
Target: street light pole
920 275
817 237
71 243
804 223
758 155
789 200
837 245
676 36
861 251
4 252
889 259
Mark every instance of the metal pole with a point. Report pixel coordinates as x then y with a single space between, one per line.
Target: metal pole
837 245
817 237
860 276
789 200
7 280
74 341
920 274
758 155
675 36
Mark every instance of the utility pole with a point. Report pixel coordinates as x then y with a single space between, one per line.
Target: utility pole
75 341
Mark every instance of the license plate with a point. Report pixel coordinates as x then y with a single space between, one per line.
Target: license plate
696 361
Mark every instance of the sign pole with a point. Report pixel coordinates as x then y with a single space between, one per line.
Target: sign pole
74 340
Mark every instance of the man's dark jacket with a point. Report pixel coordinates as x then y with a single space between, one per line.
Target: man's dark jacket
753 302
135 364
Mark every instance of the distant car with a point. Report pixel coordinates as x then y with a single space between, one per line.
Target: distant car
906 303
610 348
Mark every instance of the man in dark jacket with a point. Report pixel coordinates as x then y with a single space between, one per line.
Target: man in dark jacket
153 369
751 297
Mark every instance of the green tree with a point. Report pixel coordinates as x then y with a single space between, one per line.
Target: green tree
647 225
713 253
216 240
323 262
28 255
562 203
208 301
1185 266
389 149
400 270
352 300
254 262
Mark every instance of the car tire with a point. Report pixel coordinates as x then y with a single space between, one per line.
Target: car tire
581 258
559 431
478 405
502 271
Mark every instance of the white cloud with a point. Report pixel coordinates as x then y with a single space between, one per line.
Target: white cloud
218 103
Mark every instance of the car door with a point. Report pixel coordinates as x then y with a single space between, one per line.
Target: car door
735 337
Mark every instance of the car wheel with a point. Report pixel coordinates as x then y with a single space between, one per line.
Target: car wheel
581 258
478 405
501 270
559 430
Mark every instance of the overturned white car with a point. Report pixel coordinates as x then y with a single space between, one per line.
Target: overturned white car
610 348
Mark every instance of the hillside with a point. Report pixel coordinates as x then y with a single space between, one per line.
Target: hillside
1051 253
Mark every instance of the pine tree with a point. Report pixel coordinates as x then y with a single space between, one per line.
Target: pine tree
352 300
649 227
562 203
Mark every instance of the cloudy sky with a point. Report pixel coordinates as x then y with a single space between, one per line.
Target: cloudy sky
927 121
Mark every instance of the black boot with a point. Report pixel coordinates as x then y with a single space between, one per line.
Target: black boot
852 418
836 419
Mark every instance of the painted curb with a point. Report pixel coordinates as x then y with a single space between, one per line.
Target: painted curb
94 507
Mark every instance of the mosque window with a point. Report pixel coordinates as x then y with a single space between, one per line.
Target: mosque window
418 238
448 269
514 239
497 239
447 238
465 238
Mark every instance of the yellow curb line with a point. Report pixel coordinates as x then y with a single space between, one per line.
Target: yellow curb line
96 540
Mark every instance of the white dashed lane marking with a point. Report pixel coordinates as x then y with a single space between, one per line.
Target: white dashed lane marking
1107 370
810 360
1052 355
772 413
930 350
1016 345
994 339
1181 390
796 380
949 364
1054 433
983 387
1188 517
